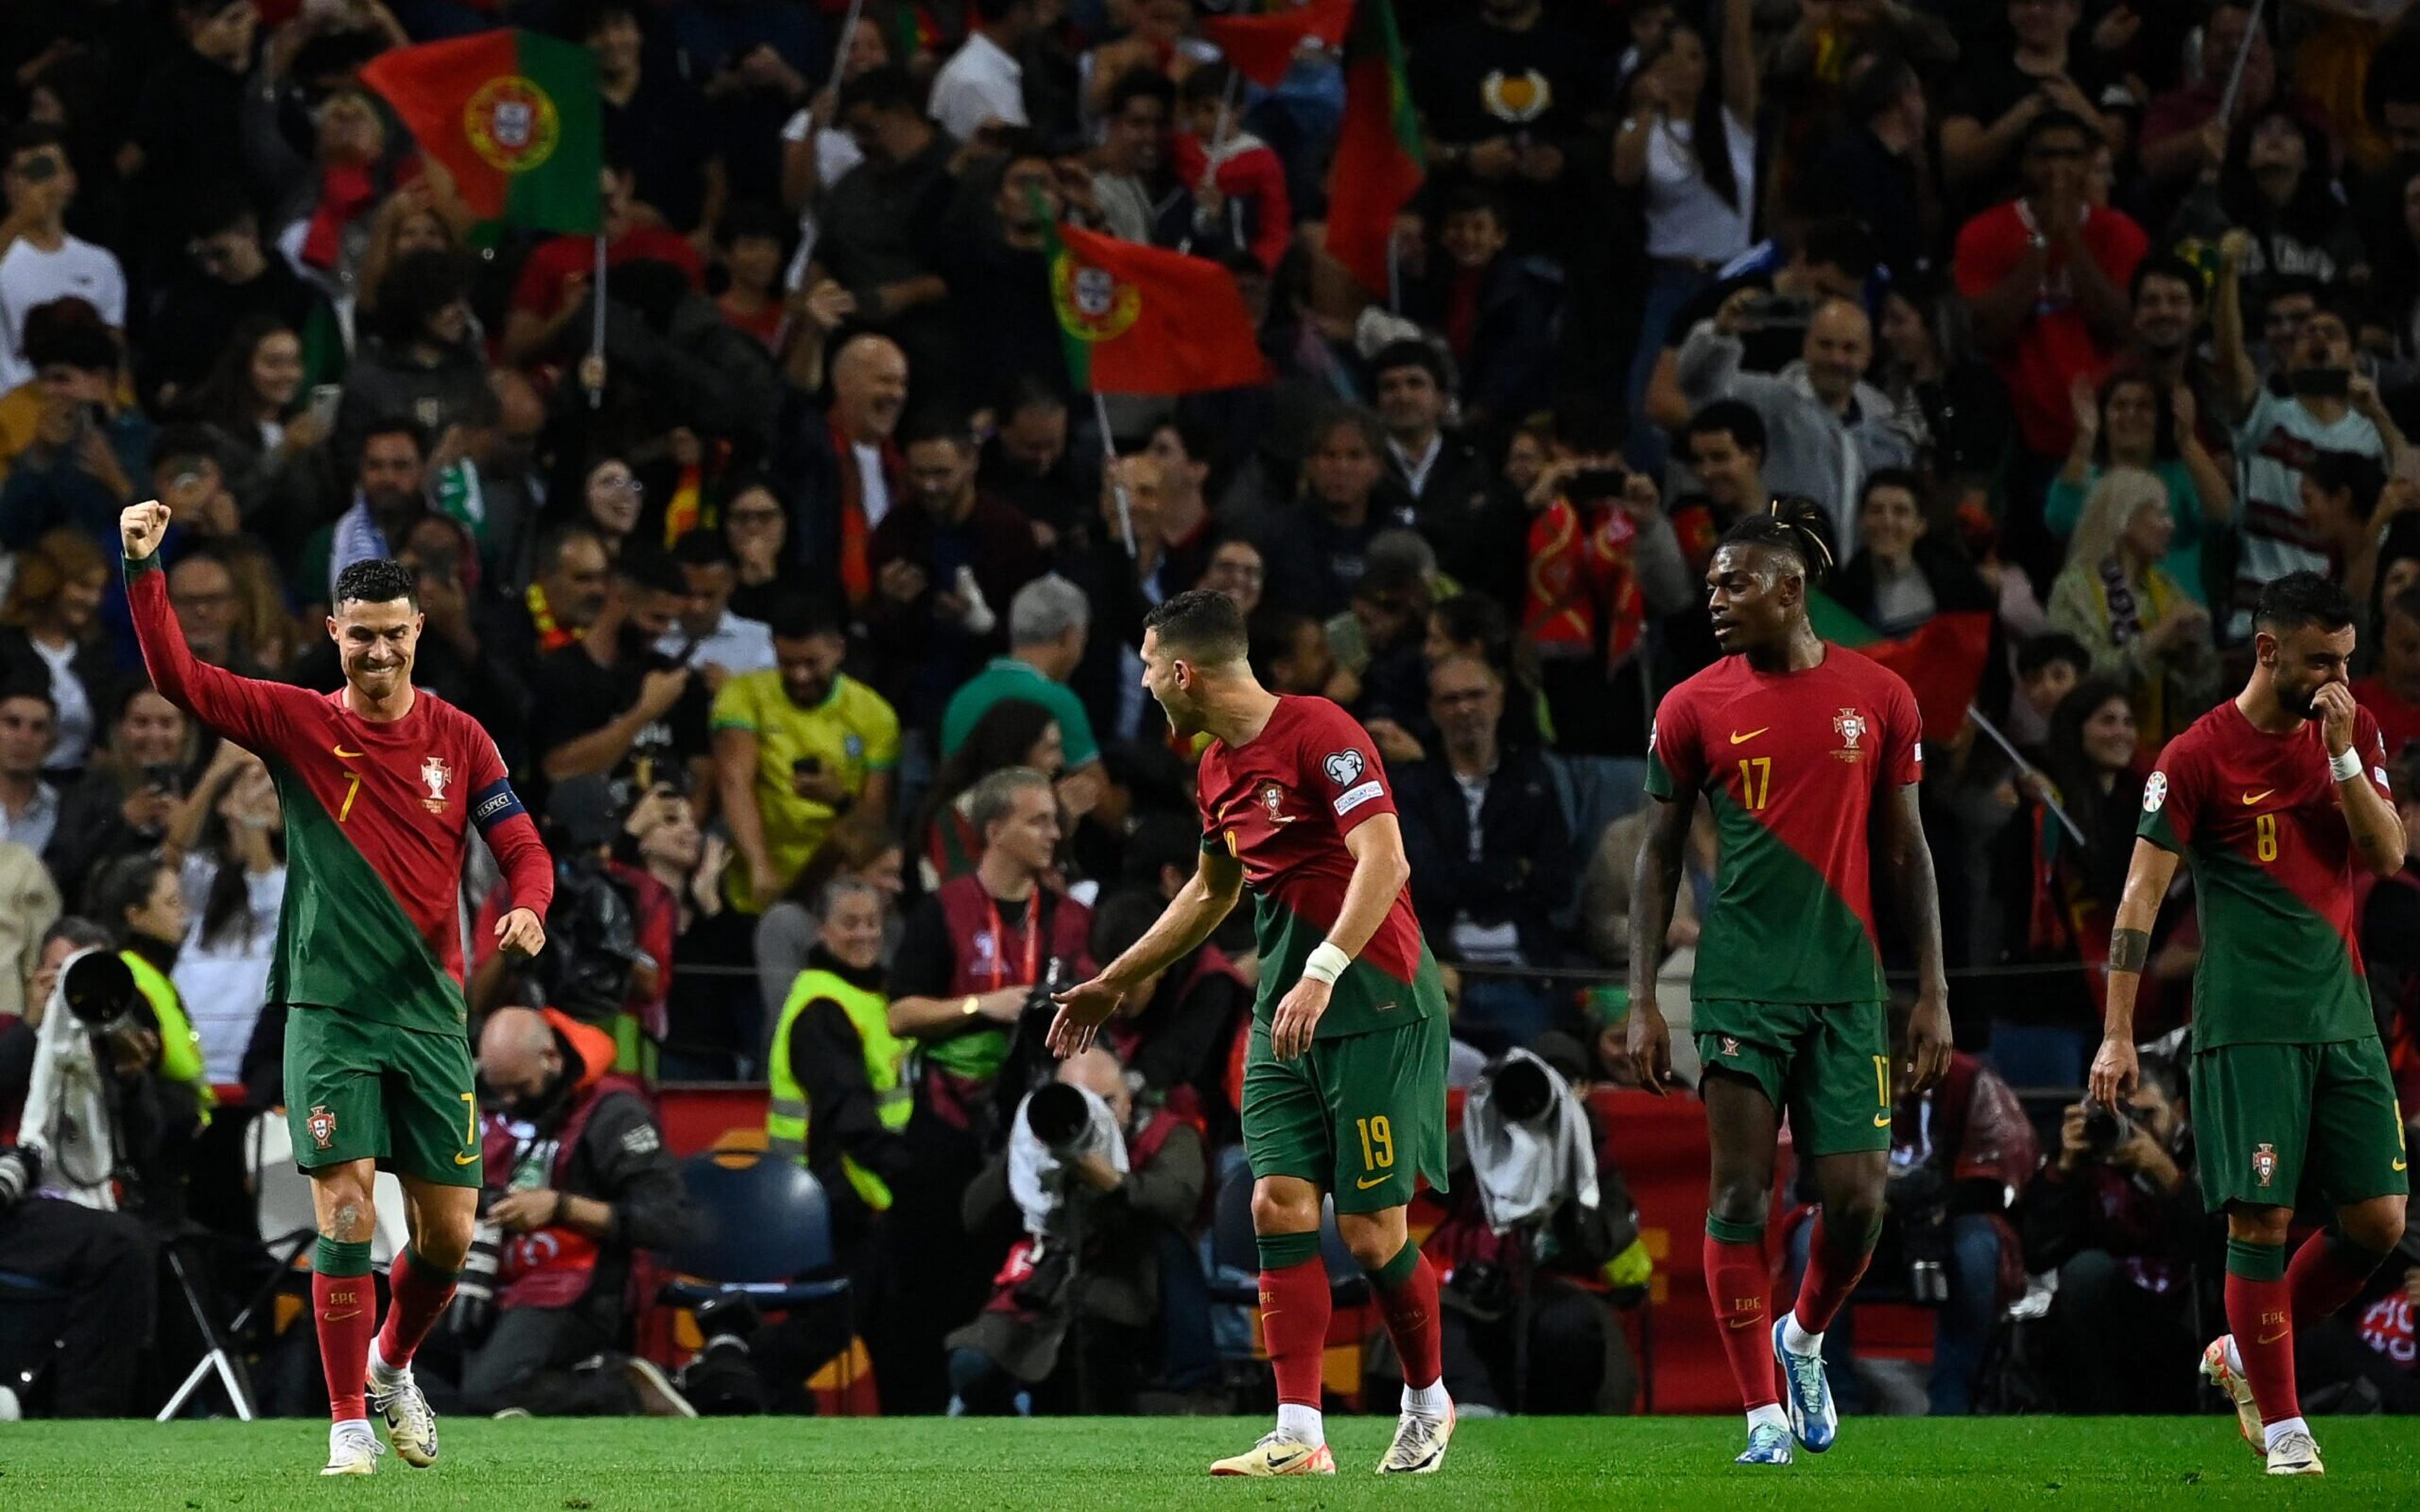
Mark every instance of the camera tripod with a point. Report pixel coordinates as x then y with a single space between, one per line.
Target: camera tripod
222 1355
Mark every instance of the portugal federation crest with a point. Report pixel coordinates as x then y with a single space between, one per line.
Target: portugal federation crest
1851 725
437 775
1273 799
1092 305
512 124
322 1125
2264 1164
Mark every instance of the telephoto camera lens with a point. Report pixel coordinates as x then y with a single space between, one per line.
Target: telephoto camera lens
98 989
1522 1092
1059 1117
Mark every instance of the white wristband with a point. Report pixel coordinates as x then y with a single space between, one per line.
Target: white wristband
2346 767
1327 963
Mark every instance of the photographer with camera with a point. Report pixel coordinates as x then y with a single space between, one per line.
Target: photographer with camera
601 972
2117 1212
1537 1245
91 1113
1960 1154
578 1181
1096 1181
976 961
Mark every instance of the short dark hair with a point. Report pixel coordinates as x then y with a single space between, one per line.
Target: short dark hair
1471 197
183 438
2054 120
803 617
1839 241
2301 598
1201 624
1880 85
756 218
1125 917
648 570
1793 524
888 90
2167 265
32 136
86 346
375 580
30 688
2037 654
1734 418
1140 83
1891 478
1208 82
1410 352
1030 391
398 424
221 206
937 423
702 548
418 284
2351 473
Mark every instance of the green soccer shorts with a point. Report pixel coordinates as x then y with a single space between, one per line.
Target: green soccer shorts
2266 1115
359 1090
1362 1115
1827 1063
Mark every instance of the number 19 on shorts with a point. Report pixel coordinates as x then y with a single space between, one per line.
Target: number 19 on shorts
1377 1143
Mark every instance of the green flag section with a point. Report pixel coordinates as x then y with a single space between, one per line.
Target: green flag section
1379 163
1263 47
512 115
1776 930
2271 971
1942 662
1138 319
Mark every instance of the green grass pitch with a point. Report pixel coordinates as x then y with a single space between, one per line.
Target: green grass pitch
1091 1464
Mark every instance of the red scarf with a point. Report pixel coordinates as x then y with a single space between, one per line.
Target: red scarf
346 189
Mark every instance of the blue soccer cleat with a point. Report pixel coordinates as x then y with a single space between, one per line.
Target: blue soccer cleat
1808 1393
1767 1444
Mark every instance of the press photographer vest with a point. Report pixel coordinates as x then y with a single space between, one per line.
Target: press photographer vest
549 1266
998 945
886 1060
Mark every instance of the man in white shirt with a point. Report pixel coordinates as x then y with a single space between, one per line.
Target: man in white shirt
708 636
39 261
983 83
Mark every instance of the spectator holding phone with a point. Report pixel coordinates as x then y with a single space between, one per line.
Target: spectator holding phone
799 745
40 260
130 792
87 450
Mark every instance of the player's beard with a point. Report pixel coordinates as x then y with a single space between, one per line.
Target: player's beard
2298 701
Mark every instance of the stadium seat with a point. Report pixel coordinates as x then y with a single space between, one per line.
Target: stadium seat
29 1332
763 1225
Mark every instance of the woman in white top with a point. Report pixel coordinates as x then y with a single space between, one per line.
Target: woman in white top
1688 144
233 874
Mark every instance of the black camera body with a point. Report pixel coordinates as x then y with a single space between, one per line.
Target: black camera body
2105 1128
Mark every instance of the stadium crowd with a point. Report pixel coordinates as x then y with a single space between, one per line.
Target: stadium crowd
805 608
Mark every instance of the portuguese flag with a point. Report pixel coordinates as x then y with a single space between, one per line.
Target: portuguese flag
1380 163
1942 662
1139 320
1263 47
513 116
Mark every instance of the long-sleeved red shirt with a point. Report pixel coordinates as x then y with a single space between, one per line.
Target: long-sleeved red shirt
378 815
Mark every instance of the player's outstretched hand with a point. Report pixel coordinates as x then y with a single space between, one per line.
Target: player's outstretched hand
2115 1071
140 528
1650 1046
1928 1045
522 933
2334 703
1296 1022
1082 1010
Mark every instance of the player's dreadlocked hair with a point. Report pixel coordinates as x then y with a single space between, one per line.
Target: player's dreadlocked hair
1796 524
376 581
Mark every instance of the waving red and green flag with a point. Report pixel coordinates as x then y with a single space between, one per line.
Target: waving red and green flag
1942 661
1380 163
1263 47
512 115
1139 320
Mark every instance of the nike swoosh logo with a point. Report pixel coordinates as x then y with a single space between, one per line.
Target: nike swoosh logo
2399 1166
1742 1322
2251 798
1738 739
2271 1339
1278 1462
344 754
338 1318
1375 1180
464 1160
1881 1120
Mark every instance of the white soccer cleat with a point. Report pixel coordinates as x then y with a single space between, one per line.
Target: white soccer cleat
2230 1380
352 1450
411 1426
1419 1445
1279 1453
2295 1453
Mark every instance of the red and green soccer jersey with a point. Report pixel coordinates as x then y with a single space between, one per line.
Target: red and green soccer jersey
1281 804
378 822
2255 815
1790 762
